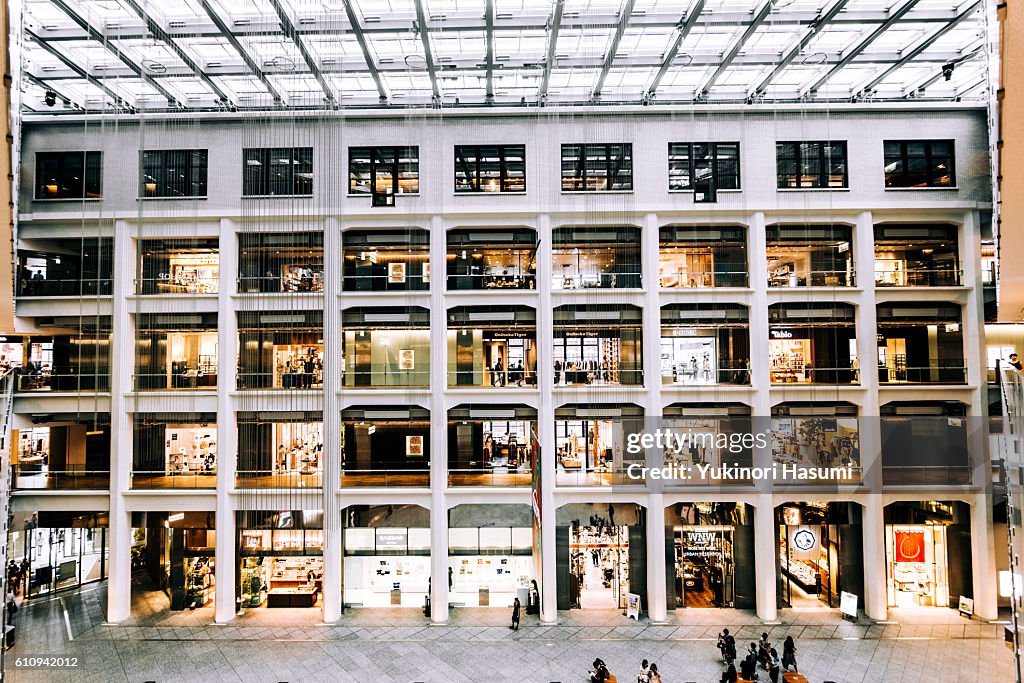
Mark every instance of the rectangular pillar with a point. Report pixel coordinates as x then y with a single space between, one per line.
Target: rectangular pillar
438 426
225 605
548 579
766 560
331 465
876 596
983 559
657 597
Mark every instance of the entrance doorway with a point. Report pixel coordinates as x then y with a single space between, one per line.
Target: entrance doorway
599 566
809 556
916 565
705 575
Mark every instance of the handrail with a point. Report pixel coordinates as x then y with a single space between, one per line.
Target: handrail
6 409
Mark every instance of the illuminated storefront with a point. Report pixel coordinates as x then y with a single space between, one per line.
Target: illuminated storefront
280 262
176 351
590 443
705 344
812 343
175 452
280 558
817 435
385 446
702 256
604 258
386 260
598 344
282 350
280 449
810 256
819 547
491 445
386 556
386 347
709 541
179 266
492 259
492 346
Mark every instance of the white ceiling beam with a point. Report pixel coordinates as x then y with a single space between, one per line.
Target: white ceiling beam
356 26
242 52
613 48
755 23
683 29
289 30
428 52
119 100
553 29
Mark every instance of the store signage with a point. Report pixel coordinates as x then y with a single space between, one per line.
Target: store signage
392 540
966 606
396 273
684 332
781 334
426 272
804 539
701 545
848 604
633 606
406 359
414 446
909 546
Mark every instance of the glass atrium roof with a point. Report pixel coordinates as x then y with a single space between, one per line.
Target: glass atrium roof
125 55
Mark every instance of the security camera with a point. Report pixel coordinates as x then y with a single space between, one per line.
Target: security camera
947 70
50 98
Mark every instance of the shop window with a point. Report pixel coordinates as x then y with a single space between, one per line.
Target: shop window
589 352
699 257
491 259
597 168
179 266
916 256
920 343
382 355
813 343
385 447
281 262
176 359
590 451
494 347
919 163
279 453
66 268
917 567
174 455
702 346
819 444
596 258
803 165
695 164
174 173
810 256
383 170
276 172
491 451
68 175
499 168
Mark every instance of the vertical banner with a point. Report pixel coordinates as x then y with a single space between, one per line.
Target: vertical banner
535 469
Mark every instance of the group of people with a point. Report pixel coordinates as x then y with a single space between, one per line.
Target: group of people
302 372
761 655
516 374
32 283
16 573
649 673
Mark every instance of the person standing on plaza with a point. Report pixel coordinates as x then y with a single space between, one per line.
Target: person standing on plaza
654 677
516 606
774 665
789 654
645 672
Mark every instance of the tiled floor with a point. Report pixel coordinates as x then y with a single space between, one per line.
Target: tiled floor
375 645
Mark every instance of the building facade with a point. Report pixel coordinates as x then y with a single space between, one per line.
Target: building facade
333 361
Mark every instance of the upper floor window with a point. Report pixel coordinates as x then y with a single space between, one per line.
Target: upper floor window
597 168
278 171
68 175
174 173
919 163
811 164
383 170
499 168
691 164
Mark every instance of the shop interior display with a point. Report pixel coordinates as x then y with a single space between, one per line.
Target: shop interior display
584 445
199 578
298 367
704 566
302 278
190 275
490 580
299 447
587 360
191 450
293 581
599 562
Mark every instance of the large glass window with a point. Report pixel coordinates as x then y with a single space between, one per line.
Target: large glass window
492 347
277 171
174 173
702 257
812 343
589 349
919 163
916 256
280 350
491 259
690 163
920 343
176 351
281 262
590 444
386 446
68 175
383 170
491 445
705 344
602 258
597 168
175 452
500 168
179 266
280 451
386 347
810 256
386 260
63 267
811 164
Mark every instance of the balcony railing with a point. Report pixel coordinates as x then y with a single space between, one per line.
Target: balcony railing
498 476
92 287
384 283
687 375
188 380
813 278
287 380
386 379
385 478
915 277
475 281
267 479
274 284
598 377
161 479
32 478
688 279
929 374
815 375
597 477
169 286
630 280
496 379
44 381
925 475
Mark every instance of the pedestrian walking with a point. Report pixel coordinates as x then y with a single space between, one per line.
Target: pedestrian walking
789 654
774 664
729 675
516 606
645 672
654 677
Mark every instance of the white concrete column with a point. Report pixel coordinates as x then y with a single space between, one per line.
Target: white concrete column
438 425
867 318
983 558
766 560
876 596
548 578
657 599
122 354
757 255
227 430
973 316
331 467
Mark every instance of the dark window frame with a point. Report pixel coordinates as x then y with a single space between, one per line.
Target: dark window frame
373 151
716 165
903 158
194 183
257 181
472 176
582 161
92 163
799 160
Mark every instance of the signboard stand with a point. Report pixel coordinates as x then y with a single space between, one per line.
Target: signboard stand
633 606
848 605
966 607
